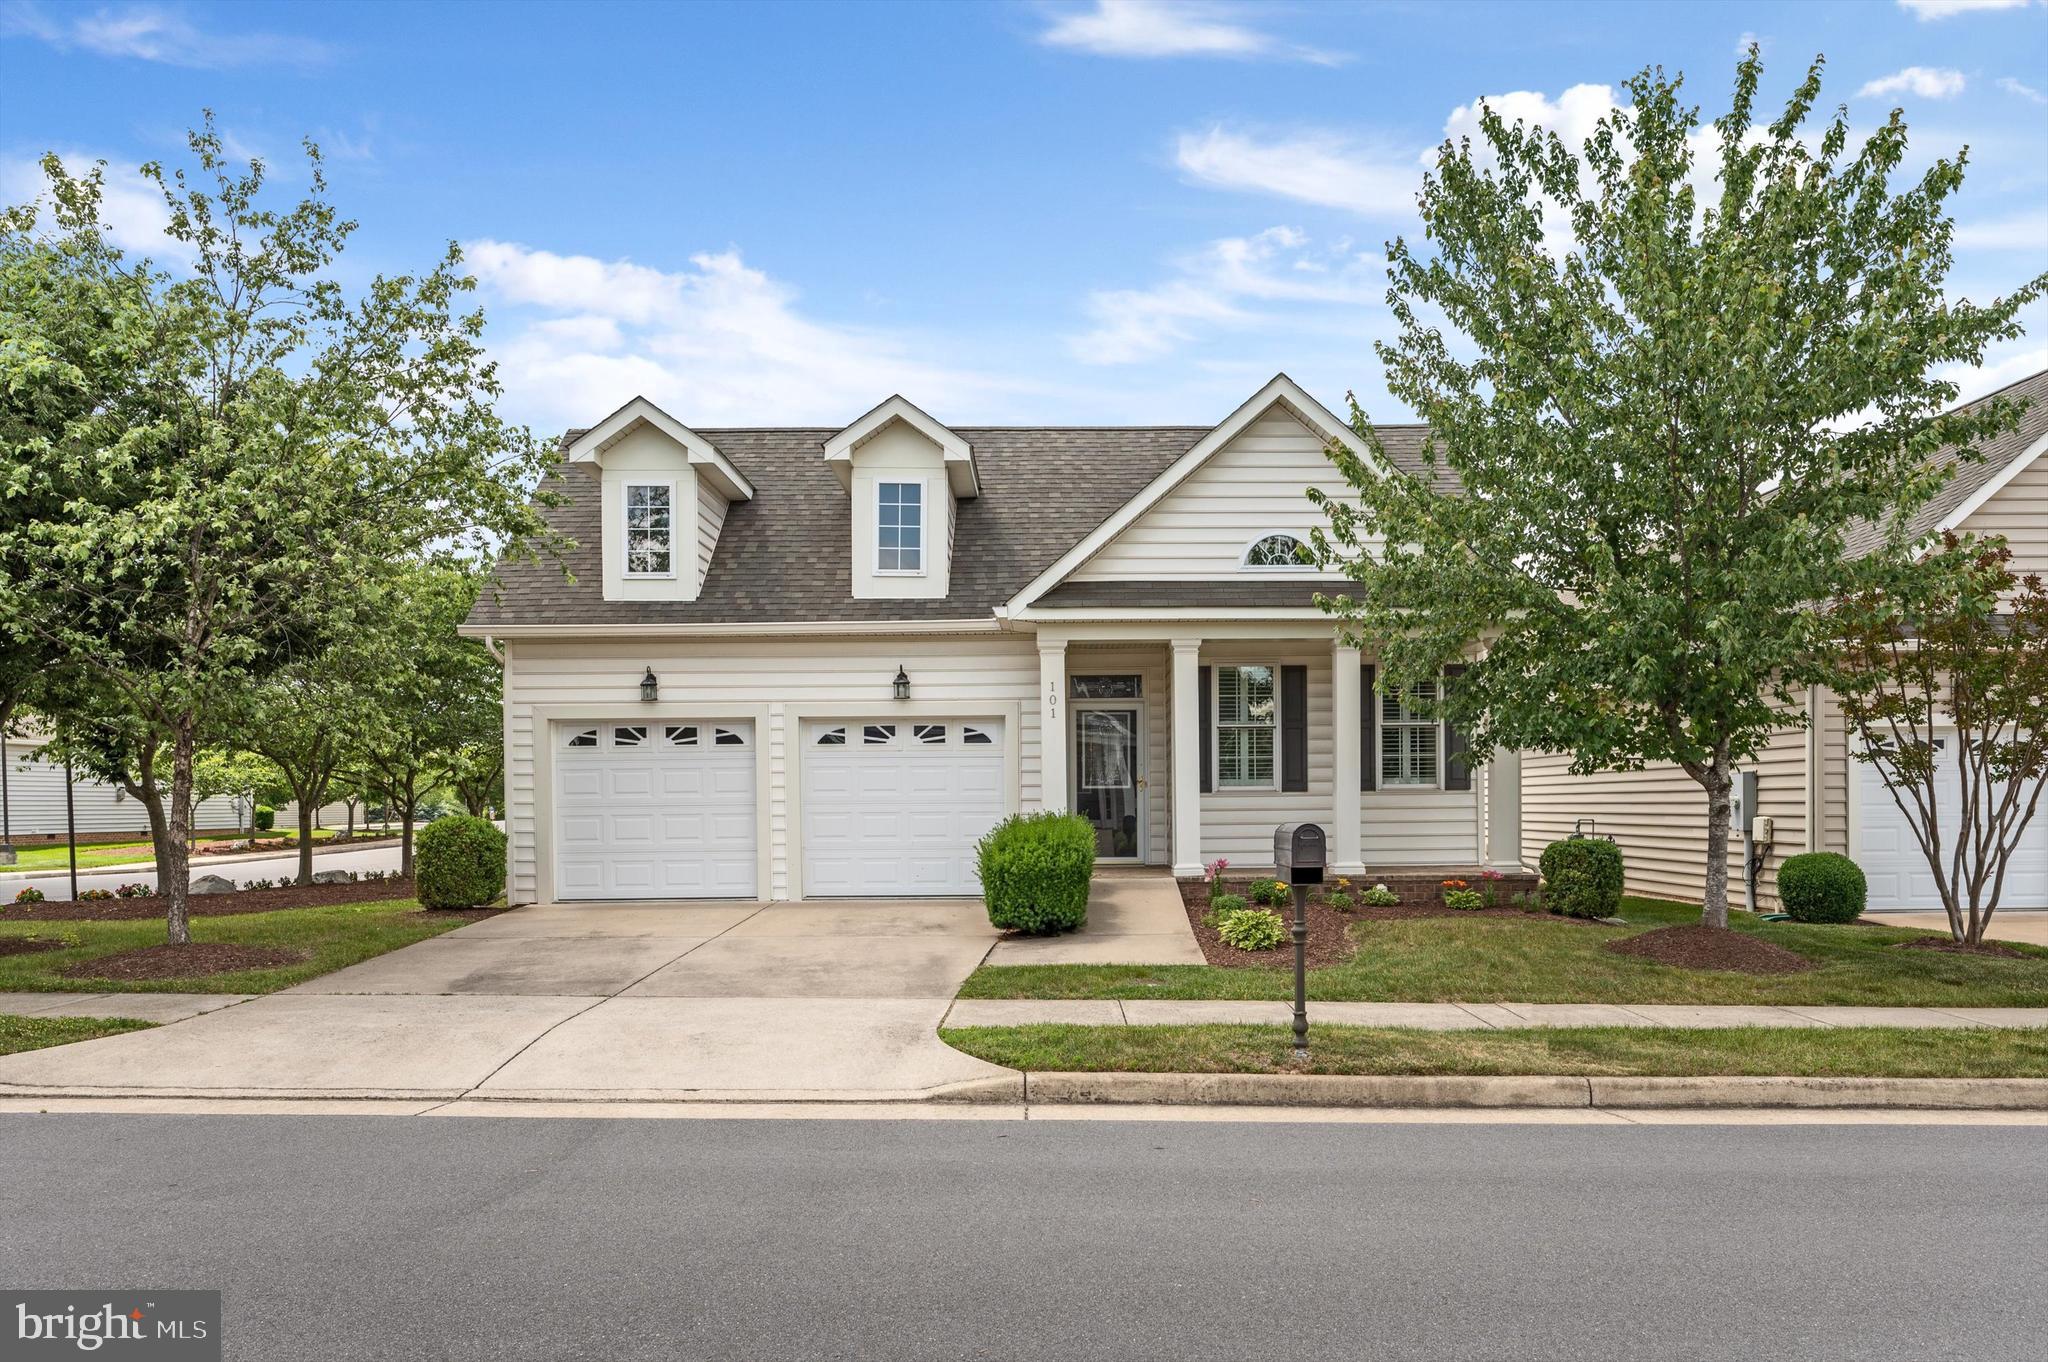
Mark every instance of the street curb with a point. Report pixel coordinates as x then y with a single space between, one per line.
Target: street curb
1335 1090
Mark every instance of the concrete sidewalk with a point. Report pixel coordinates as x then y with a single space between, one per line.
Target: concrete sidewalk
156 1007
1469 1016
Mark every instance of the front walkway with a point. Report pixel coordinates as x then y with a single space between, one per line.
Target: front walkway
1468 1016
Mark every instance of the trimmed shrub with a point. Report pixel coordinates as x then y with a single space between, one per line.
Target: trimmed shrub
1269 893
1035 869
459 863
266 818
1582 877
1821 886
1252 929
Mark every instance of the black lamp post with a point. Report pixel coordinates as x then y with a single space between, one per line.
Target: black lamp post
902 684
650 689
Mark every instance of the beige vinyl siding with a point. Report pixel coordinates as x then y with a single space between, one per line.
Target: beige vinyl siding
1834 776
1151 666
711 508
2019 511
1399 826
773 675
1256 483
1658 816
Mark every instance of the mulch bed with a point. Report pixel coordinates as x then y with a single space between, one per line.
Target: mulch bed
210 905
30 945
182 962
1953 947
1329 936
1722 948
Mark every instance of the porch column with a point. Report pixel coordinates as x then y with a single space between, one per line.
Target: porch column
1504 809
1346 681
1187 757
1052 723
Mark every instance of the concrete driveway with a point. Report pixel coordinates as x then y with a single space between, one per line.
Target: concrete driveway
586 1002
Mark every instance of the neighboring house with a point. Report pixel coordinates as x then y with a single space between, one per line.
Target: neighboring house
35 802
812 663
1815 794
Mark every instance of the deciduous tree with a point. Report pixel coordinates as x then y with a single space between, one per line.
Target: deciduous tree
1668 371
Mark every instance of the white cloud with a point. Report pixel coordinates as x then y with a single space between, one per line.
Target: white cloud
2017 361
2020 88
1275 276
155 34
717 343
1926 11
1312 167
132 210
2020 232
1165 28
1572 115
1927 82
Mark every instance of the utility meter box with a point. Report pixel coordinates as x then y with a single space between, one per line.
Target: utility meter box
1300 854
1744 794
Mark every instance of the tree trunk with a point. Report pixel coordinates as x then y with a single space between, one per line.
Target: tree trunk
1714 911
305 842
174 872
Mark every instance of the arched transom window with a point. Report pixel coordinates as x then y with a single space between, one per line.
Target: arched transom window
1279 550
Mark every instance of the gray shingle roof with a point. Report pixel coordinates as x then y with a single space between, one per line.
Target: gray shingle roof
786 556
1971 478
1170 593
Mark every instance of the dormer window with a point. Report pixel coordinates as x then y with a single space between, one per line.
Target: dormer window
899 529
650 529
1279 550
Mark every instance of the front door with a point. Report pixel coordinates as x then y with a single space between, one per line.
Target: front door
1106 782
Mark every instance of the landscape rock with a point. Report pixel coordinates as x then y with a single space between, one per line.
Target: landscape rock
212 884
330 877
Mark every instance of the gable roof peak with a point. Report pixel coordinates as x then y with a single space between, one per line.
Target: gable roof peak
961 473
589 446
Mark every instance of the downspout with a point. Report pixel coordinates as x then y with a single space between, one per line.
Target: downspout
1813 769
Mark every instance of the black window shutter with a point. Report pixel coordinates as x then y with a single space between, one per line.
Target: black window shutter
1457 770
1208 739
1294 728
1368 732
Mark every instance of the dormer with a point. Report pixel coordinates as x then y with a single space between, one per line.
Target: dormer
664 494
905 475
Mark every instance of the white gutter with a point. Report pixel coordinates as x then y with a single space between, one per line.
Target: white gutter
728 630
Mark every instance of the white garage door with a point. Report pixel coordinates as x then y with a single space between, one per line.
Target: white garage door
654 810
896 808
1897 869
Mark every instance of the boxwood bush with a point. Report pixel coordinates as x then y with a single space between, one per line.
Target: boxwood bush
1582 877
266 818
1821 886
1035 869
459 863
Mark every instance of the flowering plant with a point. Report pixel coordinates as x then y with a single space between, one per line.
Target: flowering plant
1379 896
29 894
1459 894
1213 872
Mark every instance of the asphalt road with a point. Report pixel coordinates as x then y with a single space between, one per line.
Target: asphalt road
56 884
367 1237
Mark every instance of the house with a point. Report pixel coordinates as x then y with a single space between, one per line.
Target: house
1815 795
818 663
35 806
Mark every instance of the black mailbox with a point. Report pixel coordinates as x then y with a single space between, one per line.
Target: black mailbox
1298 853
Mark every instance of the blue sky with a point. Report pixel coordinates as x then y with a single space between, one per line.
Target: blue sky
1011 212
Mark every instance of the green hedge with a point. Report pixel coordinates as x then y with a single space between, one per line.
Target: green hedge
1035 869
1582 877
1821 886
459 862
266 818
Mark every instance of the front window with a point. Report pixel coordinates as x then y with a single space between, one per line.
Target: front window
1279 551
899 534
1408 737
650 529
1247 713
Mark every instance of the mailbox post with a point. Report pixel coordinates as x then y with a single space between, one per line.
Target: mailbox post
1300 855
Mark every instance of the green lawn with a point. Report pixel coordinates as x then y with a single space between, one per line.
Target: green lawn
1609 1051
334 936
45 857
1539 959
34 1033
